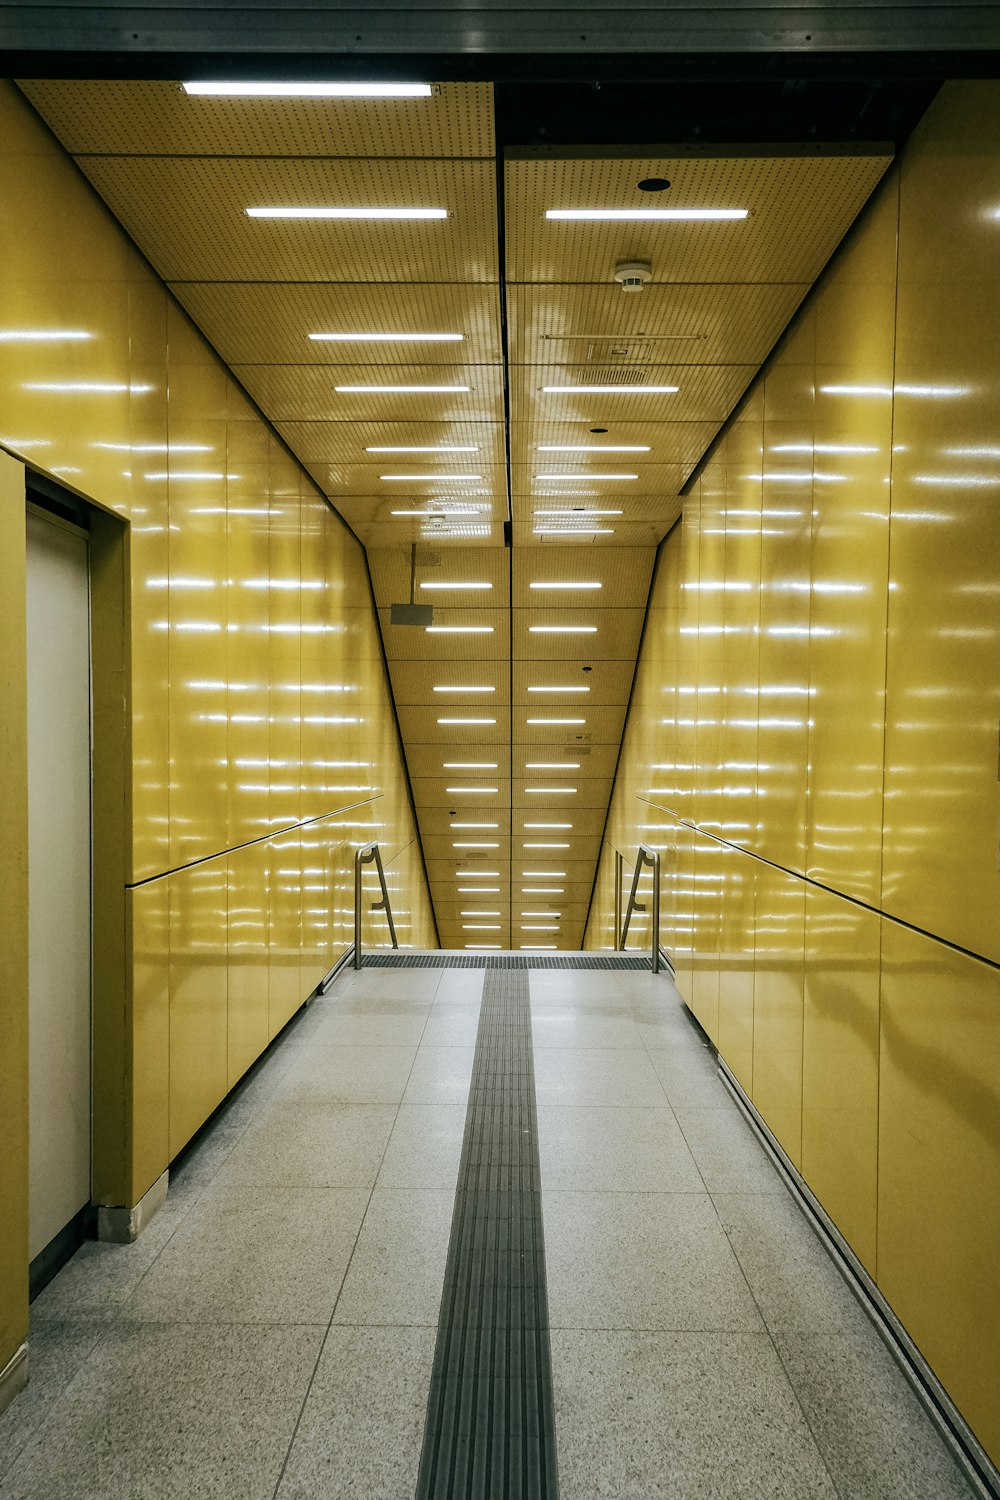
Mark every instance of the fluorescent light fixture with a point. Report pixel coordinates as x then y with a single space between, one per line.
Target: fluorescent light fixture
478 875
475 689
550 791
464 844
574 513
541 914
470 765
573 531
473 825
565 585
346 213
584 476
478 890
278 90
88 387
610 390
539 926
543 875
155 447
555 721
543 890
439 448
548 825
442 513
43 335
552 765
592 448
488 791
399 390
458 629
466 721
644 215
387 338
560 689
479 914
430 478
562 629
544 846
458 585
480 926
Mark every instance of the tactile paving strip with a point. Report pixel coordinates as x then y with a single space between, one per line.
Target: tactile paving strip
490 1432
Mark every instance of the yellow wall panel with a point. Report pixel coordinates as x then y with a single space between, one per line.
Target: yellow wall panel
823 697
840 1065
198 998
939 1164
149 916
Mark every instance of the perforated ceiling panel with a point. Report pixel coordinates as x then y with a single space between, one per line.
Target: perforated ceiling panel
512 706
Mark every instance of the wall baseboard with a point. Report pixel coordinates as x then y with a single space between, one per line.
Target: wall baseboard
13 1377
345 958
120 1225
968 1452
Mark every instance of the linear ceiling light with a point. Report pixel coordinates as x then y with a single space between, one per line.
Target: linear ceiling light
469 765
544 846
593 448
430 478
643 215
43 335
562 629
478 890
387 338
543 890
458 629
552 765
584 476
299 212
549 791
565 585
487 791
548 825
476 689
583 688
464 844
473 825
397 390
88 387
439 448
466 721
543 874
270 89
479 914
610 390
555 721
477 875
457 585
573 531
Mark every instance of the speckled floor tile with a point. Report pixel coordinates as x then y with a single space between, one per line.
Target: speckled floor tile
616 1149
728 1155
451 1026
386 984
425 1147
348 1075
565 1026
577 1075
690 1075
341 1028
254 1255
440 1075
793 1279
645 1260
362 1426
172 1413
296 1144
56 1351
397 1270
875 1436
98 1281
675 1416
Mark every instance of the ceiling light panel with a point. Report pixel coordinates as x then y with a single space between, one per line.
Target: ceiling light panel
189 215
304 393
344 443
154 118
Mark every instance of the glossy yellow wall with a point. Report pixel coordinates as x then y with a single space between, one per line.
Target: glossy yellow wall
264 746
813 745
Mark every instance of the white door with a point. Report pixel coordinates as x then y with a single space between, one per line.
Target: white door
59 924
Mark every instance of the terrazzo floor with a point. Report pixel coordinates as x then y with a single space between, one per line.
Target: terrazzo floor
272 1331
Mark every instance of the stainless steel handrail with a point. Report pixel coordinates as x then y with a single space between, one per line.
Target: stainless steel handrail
651 857
365 856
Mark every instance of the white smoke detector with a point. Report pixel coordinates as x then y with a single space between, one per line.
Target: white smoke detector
632 275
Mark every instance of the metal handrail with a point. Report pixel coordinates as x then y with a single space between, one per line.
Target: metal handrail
646 856
365 856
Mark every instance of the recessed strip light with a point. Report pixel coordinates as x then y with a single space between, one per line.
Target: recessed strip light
610 390
575 513
439 448
573 531
431 478
588 476
88 387
458 629
538 914
562 629
549 791
43 335
643 215
592 448
544 846
463 845
488 791
539 926
300 212
587 585
543 874
555 721
276 90
556 689
538 947
387 338
470 765
552 765
479 914
477 875
479 890
441 513
546 825
473 825
480 926
475 689
543 890
400 390
466 721
457 585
